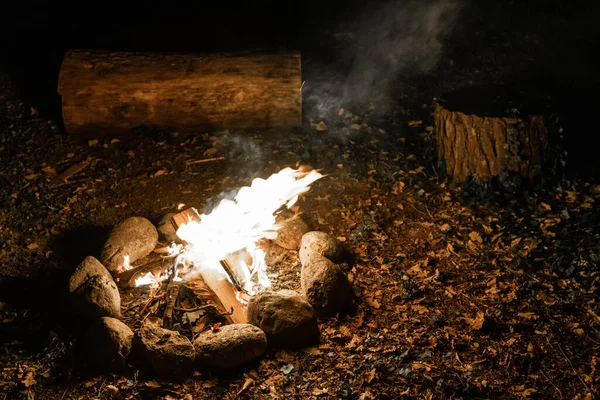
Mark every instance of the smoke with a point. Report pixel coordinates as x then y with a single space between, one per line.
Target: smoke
378 48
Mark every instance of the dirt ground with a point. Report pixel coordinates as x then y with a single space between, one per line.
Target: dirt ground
459 291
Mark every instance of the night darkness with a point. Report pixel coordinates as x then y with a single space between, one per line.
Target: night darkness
460 288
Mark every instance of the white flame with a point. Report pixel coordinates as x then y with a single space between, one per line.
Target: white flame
239 224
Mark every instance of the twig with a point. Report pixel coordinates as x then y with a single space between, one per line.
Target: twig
150 300
573 368
172 294
552 383
69 172
205 160
195 308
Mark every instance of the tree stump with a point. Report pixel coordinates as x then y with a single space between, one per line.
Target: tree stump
489 132
114 92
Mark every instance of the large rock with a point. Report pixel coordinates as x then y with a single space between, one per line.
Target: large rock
166 231
106 346
89 267
135 237
97 297
291 231
285 317
325 285
320 243
230 346
168 353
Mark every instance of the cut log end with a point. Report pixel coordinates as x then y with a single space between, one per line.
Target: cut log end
504 141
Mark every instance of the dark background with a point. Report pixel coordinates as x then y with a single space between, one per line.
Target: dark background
550 44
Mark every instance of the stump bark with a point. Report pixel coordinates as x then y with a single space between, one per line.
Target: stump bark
484 133
114 92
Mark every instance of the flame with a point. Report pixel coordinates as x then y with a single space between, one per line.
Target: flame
239 225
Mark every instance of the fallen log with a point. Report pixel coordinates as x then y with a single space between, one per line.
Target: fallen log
494 132
225 294
114 92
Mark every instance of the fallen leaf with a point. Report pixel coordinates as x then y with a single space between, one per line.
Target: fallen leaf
321 127
286 369
528 315
371 375
247 383
475 237
477 322
152 384
29 380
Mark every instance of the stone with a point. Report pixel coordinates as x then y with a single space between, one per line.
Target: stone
168 353
106 346
320 243
291 231
89 267
285 317
325 285
166 230
135 237
230 346
97 297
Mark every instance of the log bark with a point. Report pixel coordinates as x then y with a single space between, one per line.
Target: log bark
115 92
485 134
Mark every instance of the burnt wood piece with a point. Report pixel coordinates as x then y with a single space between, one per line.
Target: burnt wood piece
113 92
491 132
226 296
127 278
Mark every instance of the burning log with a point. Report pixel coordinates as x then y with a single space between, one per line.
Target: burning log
127 278
224 292
114 92
493 132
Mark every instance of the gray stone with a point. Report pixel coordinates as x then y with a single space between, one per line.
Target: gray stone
291 231
135 237
325 285
285 317
98 297
168 353
230 346
89 267
166 230
320 243
106 346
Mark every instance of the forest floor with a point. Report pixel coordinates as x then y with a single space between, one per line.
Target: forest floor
459 291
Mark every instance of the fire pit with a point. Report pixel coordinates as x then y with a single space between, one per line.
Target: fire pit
206 299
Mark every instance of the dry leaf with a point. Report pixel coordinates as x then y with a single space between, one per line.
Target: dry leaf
247 383
321 127
152 384
475 237
528 315
29 380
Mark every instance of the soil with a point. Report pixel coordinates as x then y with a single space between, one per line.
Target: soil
459 291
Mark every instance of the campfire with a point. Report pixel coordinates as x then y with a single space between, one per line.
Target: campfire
223 248
211 283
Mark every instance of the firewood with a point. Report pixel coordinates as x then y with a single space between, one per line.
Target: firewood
185 216
172 294
127 278
113 92
224 291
